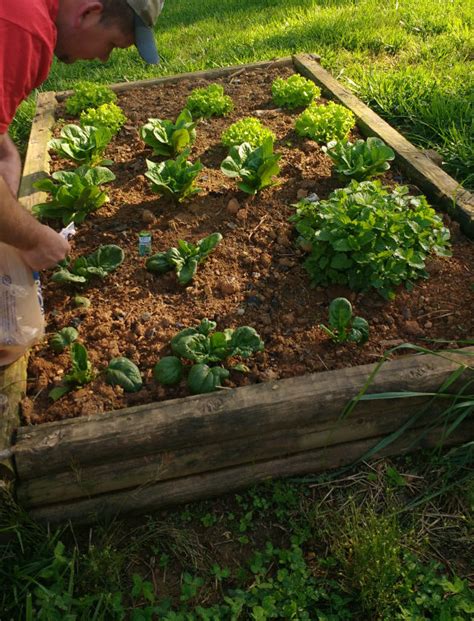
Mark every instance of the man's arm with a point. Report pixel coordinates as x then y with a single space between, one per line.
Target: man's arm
40 245
10 163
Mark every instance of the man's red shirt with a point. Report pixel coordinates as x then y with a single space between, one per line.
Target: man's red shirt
27 42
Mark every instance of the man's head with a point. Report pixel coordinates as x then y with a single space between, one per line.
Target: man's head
89 29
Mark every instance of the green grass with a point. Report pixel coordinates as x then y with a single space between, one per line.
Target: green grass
411 60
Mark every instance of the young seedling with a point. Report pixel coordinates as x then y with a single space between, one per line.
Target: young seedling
294 92
123 372
175 178
256 167
343 326
361 160
167 138
62 339
325 123
82 145
99 264
248 130
81 372
209 101
185 258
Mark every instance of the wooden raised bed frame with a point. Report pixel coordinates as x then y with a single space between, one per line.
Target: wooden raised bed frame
151 456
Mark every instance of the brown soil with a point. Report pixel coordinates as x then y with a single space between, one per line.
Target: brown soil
254 277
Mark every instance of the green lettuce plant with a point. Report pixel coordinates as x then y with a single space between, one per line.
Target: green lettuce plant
294 92
99 264
88 95
325 123
74 194
209 101
361 160
123 372
82 145
107 115
255 167
81 372
369 236
343 326
175 178
167 138
248 130
184 259
201 351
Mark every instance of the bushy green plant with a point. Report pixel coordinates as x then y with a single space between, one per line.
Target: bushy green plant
209 101
184 259
74 194
81 372
175 178
167 138
343 326
294 92
107 115
248 130
83 145
88 95
367 236
361 160
325 123
205 348
99 264
255 166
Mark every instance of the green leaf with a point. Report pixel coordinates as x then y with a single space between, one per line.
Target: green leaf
59 391
340 314
60 340
203 379
168 371
193 347
123 372
245 341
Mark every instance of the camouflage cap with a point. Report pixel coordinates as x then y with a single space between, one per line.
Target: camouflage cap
146 14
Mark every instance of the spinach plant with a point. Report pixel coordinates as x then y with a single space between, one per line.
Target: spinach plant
168 138
256 167
62 339
361 160
209 101
82 145
81 372
248 130
88 95
367 235
125 373
74 194
99 264
294 92
107 115
185 258
325 123
206 350
175 178
343 326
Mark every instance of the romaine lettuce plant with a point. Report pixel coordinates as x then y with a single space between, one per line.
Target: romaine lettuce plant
256 167
175 178
107 115
325 123
361 160
62 339
367 235
248 130
184 259
81 372
88 95
201 351
209 101
99 264
167 138
125 373
83 145
294 92
343 326
74 194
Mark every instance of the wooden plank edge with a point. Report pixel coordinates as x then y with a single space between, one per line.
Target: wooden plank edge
210 484
12 390
206 74
439 186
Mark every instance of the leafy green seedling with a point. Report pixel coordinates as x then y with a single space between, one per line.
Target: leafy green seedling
107 115
343 326
255 167
248 130
75 194
168 138
81 372
209 101
123 372
325 123
88 95
62 339
206 350
99 264
294 92
184 259
81 301
175 178
361 160
82 145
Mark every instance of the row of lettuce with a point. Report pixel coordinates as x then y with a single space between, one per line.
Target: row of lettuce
364 235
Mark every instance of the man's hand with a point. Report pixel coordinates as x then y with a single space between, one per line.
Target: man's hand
49 248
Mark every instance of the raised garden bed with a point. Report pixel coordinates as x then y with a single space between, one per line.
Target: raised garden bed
141 450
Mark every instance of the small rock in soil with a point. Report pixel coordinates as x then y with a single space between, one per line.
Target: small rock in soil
406 313
233 206
242 215
144 317
413 328
301 193
148 217
428 325
254 300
